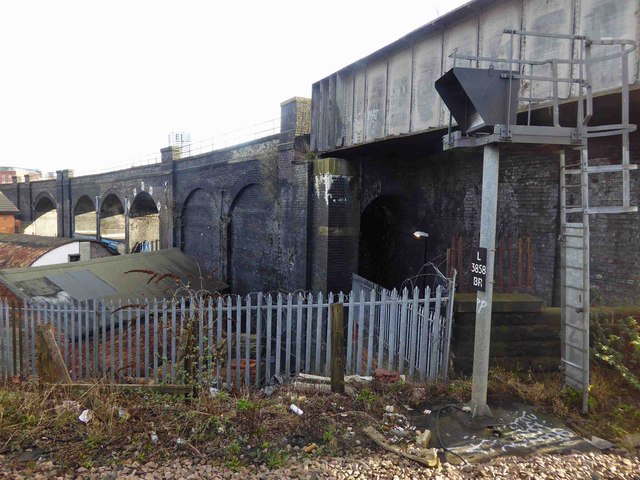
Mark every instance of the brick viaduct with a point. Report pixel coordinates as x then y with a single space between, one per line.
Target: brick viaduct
240 211
264 215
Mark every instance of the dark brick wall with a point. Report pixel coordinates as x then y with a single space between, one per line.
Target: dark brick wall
441 194
264 212
254 239
200 235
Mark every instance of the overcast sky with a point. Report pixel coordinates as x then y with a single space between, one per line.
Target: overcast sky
87 84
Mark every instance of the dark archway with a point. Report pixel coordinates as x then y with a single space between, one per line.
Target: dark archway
199 232
386 245
253 242
84 217
45 220
112 222
144 224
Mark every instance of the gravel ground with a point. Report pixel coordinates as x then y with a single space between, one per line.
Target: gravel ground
590 466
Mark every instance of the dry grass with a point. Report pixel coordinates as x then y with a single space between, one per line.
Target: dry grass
249 428
614 405
240 428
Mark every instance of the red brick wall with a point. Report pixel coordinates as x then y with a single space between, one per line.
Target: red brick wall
7 223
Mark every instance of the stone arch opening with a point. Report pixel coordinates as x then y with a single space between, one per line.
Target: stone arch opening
45 220
84 217
253 242
199 235
386 248
112 221
144 224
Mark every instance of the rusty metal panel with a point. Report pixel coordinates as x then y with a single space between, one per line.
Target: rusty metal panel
493 42
316 114
399 93
359 106
392 91
376 100
609 18
331 122
550 16
347 112
340 110
427 69
463 37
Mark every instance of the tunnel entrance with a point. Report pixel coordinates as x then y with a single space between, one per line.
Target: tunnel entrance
84 217
385 250
45 222
144 224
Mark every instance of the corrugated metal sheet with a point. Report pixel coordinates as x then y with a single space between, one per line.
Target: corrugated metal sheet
391 92
6 206
18 251
140 275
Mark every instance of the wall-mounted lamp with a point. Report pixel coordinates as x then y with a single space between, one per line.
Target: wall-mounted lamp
420 234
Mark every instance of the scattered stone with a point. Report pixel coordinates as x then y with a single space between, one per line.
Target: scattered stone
601 443
424 439
631 441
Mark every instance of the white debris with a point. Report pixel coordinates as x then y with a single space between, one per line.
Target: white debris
86 416
154 437
294 408
389 409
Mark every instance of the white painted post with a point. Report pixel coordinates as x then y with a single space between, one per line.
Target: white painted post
490 168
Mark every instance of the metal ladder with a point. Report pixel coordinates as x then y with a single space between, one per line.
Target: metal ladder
574 241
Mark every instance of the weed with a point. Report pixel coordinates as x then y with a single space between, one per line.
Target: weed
277 459
367 397
329 434
245 405
233 464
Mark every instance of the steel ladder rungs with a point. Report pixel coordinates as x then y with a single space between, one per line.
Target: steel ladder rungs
574 365
574 346
602 169
574 307
582 329
574 268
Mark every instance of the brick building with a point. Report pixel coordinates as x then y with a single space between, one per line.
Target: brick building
9 213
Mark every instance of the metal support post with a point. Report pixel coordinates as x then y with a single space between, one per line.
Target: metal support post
490 168
126 224
98 233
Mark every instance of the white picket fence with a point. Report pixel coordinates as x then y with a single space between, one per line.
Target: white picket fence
235 340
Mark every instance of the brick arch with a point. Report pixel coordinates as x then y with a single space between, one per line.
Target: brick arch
115 193
79 199
44 222
252 238
199 227
251 177
197 185
42 195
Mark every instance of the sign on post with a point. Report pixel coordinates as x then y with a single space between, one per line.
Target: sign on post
479 269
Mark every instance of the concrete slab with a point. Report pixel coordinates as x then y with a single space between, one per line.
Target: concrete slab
514 430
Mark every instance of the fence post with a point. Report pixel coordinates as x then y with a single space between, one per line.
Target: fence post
337 342
50 366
